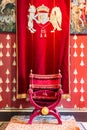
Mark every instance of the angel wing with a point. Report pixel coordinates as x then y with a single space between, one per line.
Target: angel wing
56 19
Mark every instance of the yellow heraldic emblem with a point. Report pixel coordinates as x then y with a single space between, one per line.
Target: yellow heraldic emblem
56 19
42 17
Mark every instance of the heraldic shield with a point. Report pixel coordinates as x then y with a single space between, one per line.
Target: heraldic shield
43 18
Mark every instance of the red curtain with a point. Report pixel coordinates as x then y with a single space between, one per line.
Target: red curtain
43 51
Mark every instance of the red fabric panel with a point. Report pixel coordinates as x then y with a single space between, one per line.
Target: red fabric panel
42 55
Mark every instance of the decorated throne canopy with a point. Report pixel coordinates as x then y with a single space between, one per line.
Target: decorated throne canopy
42 41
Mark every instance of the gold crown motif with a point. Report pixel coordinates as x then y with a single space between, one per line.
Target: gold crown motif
42 8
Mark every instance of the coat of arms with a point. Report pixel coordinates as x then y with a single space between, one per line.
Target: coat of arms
42 17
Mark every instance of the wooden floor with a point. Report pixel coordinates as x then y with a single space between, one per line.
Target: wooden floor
6 116
79 116
3 125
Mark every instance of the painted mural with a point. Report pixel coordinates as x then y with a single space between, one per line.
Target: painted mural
7 16
78 23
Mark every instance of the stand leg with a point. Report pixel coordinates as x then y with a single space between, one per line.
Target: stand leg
56 114
34 114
